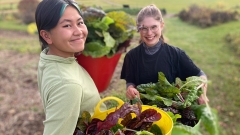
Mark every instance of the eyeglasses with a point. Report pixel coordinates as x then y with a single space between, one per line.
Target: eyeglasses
144 30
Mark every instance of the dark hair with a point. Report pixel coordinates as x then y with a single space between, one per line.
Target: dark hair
48 14
150 11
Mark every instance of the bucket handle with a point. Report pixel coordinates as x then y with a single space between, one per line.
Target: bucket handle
97 108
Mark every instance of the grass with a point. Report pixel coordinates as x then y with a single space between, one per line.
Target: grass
211 53
173 6
24 45
13 25
9 4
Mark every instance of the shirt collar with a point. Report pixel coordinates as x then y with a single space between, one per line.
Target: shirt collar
45 57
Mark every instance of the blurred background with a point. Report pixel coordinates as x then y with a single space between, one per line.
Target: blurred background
208 30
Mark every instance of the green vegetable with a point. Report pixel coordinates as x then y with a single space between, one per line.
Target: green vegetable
143 133
155 130
106 31
174 117
208 116
186 129
169 94
181 95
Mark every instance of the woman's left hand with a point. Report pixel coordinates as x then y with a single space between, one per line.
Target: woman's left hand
203 98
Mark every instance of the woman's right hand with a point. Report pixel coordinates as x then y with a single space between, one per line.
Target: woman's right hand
132 92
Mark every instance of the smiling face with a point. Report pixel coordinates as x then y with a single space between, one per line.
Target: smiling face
150 31
69 35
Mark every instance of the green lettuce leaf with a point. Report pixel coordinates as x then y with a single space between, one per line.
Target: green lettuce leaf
109 41
96 49
174 117
187 130
104 23
209 118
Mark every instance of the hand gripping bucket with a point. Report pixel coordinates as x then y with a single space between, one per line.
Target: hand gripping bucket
165 123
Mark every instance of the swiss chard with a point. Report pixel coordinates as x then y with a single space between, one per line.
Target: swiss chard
139 124
208 117
182 95
107 32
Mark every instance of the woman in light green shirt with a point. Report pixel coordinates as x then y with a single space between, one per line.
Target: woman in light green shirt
66 88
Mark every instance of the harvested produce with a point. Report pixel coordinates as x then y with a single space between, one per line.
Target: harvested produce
179 100
139 123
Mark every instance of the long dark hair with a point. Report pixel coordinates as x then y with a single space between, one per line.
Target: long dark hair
48 14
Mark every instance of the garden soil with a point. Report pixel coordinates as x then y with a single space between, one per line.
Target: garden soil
21 111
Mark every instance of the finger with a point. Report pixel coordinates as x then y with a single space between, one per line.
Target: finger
130 95
138 95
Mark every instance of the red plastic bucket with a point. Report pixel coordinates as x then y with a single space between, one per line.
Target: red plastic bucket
100 69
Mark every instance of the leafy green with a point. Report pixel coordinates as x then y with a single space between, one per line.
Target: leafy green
140 123
144 132
116 128
106 32
208 117
163 80
181 95
102 24
166 101
210 120
174 116
155 130
124 26
191 97
109 41
136 100
165 92
84 120
144 87
96 49
192 81
187 130
162 88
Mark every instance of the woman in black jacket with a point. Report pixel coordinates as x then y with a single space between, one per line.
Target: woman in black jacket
142 64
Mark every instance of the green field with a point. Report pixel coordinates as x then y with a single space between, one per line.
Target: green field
206 47
209 50
172 6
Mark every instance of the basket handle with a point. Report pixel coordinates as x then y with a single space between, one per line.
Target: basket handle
97 108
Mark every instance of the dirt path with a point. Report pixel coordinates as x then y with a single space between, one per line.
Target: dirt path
20 103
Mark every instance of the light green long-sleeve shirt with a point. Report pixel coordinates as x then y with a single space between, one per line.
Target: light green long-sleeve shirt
66 90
